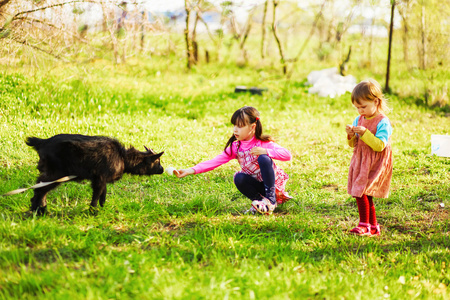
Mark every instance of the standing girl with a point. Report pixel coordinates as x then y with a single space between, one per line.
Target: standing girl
260 179
371 164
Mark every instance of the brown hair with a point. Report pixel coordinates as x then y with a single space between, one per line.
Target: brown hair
245 116
370 90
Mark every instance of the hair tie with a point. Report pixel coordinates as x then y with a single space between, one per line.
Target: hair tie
257 118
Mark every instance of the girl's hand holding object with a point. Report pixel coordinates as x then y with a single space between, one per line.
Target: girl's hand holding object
258 151
171 170
349 130
184 172
359 130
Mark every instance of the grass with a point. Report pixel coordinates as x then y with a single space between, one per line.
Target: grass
166 238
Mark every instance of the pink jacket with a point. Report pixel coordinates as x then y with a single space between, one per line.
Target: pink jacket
274 151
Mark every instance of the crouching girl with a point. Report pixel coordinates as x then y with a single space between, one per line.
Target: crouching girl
260 179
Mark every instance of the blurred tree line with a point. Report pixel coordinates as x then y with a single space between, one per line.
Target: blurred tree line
271 32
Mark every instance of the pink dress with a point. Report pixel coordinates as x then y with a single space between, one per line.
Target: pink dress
249 163
370 171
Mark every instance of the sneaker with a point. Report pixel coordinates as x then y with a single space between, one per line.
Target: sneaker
264 206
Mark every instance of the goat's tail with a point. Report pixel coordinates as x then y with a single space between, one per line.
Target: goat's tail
34 142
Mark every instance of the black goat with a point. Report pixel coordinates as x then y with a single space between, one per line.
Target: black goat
99 159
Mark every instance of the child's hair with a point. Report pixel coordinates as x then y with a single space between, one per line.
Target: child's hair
370 90
245 116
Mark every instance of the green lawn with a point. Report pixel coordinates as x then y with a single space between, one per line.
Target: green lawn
161 237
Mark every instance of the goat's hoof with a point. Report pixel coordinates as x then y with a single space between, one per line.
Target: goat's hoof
93 210
41 211
28 214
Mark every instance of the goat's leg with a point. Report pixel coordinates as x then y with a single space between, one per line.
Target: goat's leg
103 197
39 200
98 191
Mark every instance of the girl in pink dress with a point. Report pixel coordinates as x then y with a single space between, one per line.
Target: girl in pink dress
371 164
260 179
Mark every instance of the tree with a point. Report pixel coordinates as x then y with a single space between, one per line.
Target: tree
391 31
277 39
373 4
423 30
20 25
189 55
404 8
263 30
52 28
306 41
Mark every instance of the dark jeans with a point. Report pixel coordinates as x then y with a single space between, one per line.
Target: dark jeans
252 188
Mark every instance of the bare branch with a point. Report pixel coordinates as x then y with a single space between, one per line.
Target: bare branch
277 39
51 6
4 2
199 15
313 28
248 27
25 43
32 20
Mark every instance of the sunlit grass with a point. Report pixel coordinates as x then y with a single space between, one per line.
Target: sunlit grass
161 237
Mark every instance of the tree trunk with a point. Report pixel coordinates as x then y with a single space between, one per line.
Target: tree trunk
112 31
277 39
186 35
263 30
405 41
423 56
194 40
144 15
371 41
391 30
404 11
343 65
105 18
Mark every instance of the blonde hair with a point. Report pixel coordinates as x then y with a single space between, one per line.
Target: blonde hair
370 90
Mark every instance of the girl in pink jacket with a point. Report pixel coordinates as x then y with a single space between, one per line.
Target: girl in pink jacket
260 179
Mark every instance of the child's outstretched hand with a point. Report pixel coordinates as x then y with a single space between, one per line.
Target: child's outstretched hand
184 172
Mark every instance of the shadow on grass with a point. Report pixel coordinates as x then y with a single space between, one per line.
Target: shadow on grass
197 242
421 101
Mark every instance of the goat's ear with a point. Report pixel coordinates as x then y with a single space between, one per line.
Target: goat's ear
149 150
156 156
